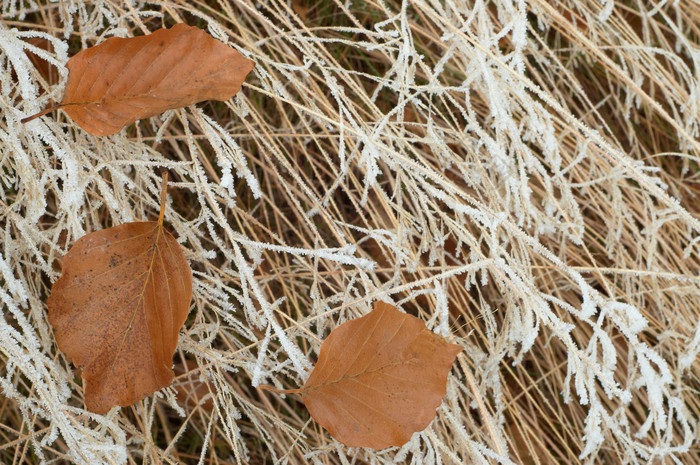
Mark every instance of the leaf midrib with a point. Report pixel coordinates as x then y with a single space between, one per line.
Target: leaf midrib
360 374
149 276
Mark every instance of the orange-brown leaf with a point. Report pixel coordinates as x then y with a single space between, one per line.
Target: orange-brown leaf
121 81
190 390
117 309
47 70
379 379
300 9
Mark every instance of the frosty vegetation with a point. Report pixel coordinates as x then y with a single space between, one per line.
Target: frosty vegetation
521 176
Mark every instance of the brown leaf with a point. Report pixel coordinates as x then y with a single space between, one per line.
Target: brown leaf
121 81
300 9
379 379
47 70
190 390
118 307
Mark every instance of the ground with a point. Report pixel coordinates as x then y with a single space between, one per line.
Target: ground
523 176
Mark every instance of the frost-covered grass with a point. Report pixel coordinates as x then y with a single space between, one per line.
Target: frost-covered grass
522 176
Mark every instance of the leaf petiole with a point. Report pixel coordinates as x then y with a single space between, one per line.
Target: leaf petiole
163 192
41 113
267 387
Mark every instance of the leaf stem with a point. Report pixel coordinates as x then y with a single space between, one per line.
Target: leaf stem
41 113
163 191
267 387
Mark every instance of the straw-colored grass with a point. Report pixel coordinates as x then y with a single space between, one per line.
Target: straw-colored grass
521 175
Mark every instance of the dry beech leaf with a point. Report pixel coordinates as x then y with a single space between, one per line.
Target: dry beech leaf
191 391
379 379
117 309
47 70
121 81
300 9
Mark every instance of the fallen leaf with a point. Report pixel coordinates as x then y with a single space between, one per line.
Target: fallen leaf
121 81
379 379
190 389
117 309
47 70
300 9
